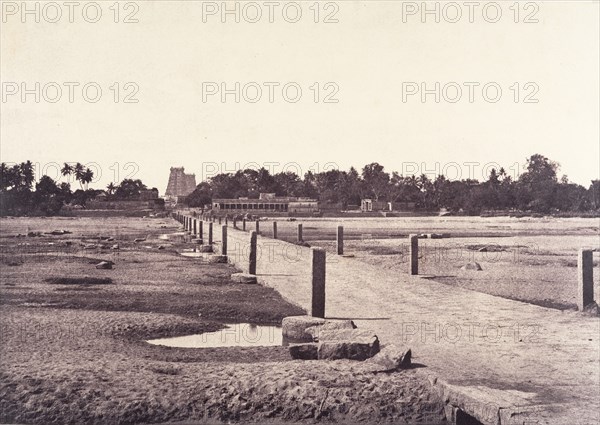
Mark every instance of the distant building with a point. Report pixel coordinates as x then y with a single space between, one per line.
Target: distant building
267 204
368 205
180 184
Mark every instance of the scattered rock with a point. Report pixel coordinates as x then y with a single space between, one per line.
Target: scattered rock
204 248
139 239
115 246
353 344
110 239
68 243
592 309
34 234
161 247
329 325
106 265
58 232
197 241
390 358
217 259
243 278
294 327
303 243
484 249
436 235
472 266
307 351
90 246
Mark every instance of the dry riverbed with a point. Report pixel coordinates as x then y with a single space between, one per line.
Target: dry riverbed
75 351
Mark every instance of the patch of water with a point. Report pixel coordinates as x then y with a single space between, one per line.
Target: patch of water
192 254
234 335
179 236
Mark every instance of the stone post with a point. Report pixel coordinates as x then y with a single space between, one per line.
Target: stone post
195 226
226 221
219 219
585 278
257 227
340 240
274 230
224 239
300 232
244 224
210 233
413 255
252 259
234 223
318 282
201 230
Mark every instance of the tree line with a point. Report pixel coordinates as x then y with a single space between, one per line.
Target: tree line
537 190
19 195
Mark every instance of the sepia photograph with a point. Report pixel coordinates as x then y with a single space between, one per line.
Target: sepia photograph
304 212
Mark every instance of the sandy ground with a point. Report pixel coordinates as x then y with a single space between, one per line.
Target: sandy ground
526 259
77 353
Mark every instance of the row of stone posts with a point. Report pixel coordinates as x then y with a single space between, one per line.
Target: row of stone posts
585 281
318 255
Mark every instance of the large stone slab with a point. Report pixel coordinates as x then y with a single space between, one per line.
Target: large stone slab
217 259
294 327
329 325
244 278
353 344
390 358
304 351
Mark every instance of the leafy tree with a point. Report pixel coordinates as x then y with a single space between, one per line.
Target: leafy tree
130 189
375 179
200 197
536 186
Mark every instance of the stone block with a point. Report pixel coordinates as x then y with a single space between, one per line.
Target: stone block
294 327
243 278
304 351
217 259
391 357
329 325
352 344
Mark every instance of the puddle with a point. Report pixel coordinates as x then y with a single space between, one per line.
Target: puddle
179 236
191 252
234 335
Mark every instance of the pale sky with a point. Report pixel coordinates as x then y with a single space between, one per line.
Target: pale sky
370 55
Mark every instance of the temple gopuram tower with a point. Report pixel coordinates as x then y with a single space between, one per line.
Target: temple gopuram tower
180 184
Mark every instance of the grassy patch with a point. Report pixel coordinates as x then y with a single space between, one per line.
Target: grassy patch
78 280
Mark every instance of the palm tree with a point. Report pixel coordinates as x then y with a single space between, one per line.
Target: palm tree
111 188
87 177
79 170
66 170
